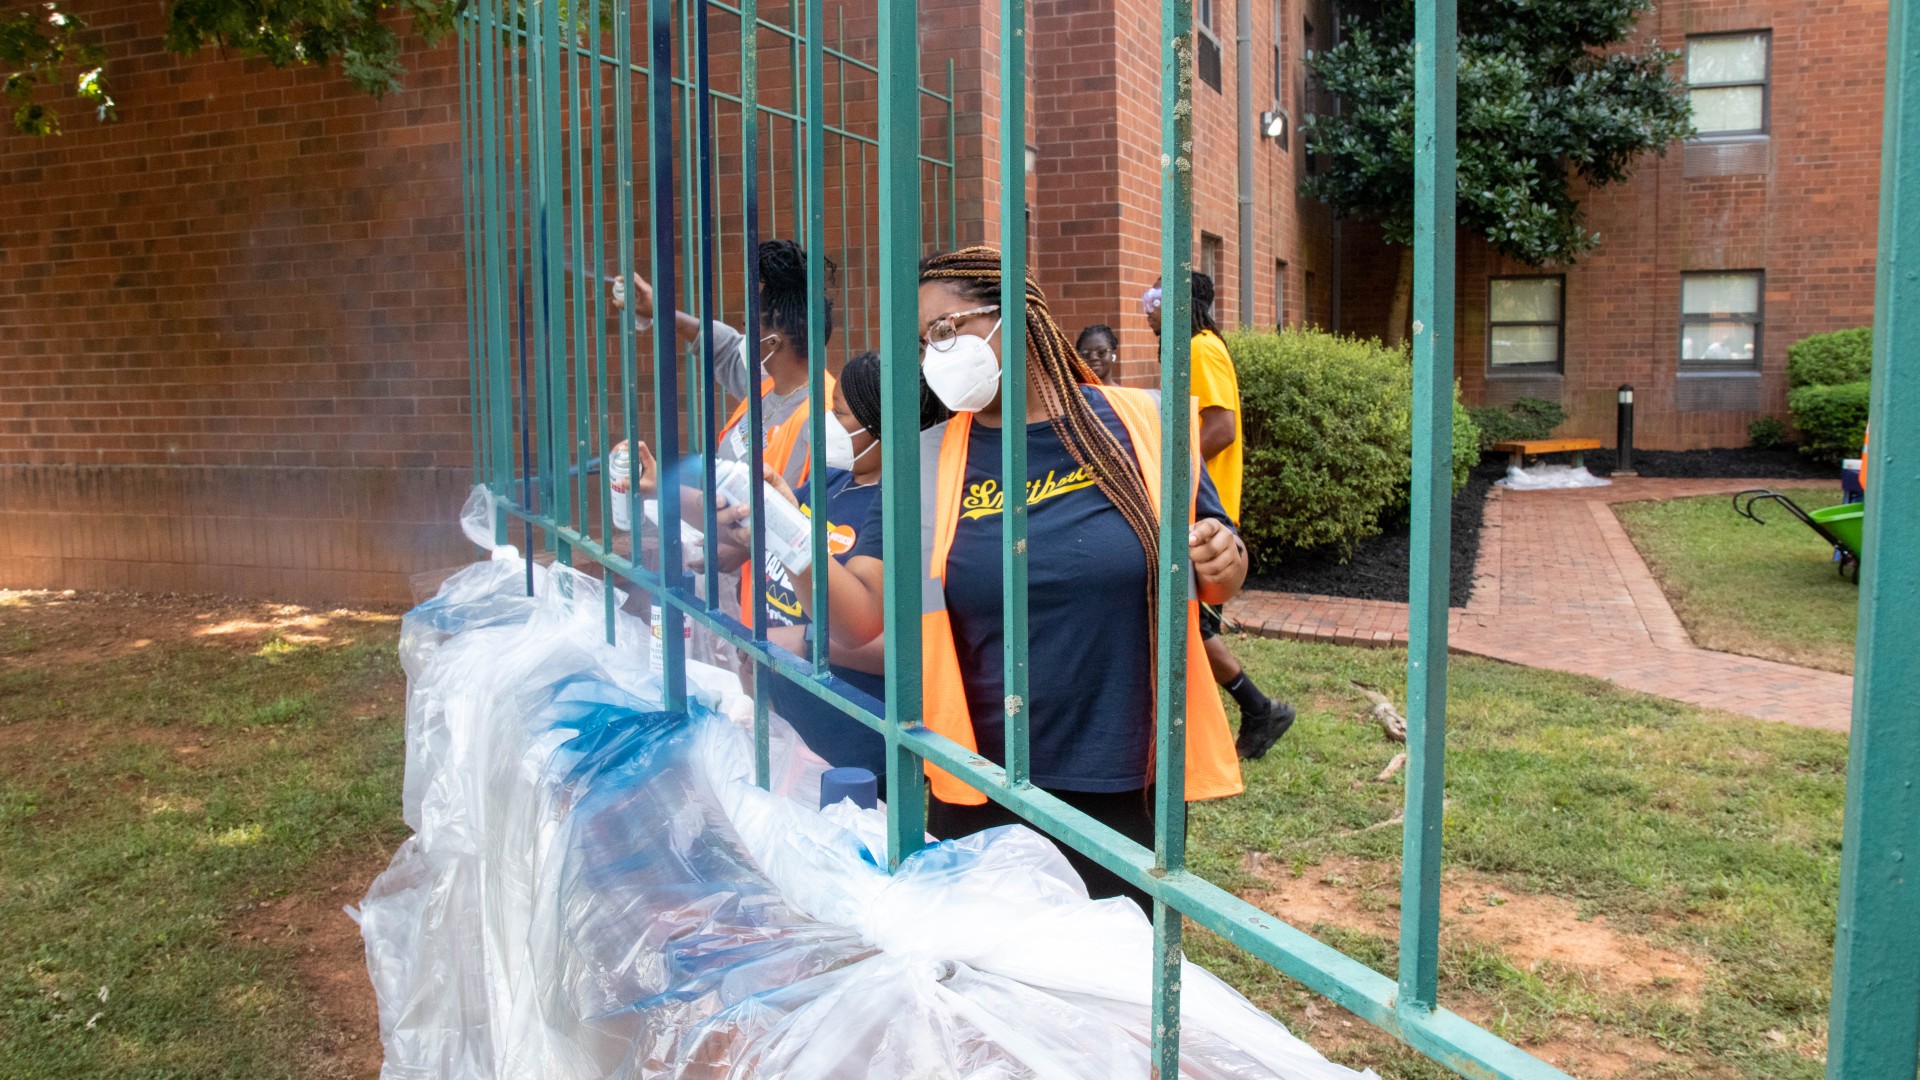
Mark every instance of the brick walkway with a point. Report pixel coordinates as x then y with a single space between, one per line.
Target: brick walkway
1558 585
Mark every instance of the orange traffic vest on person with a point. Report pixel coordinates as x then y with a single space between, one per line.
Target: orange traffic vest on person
1213 766
786 437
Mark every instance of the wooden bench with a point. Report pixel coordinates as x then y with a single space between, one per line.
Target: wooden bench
1522 449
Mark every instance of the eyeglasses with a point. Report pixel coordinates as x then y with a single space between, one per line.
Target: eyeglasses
1096 354
941 331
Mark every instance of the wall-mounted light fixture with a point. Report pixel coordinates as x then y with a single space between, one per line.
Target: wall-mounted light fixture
1273 125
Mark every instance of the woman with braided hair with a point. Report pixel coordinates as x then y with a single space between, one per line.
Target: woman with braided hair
1093 478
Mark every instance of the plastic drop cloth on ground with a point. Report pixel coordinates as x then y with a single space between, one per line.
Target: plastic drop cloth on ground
596 888
1551 478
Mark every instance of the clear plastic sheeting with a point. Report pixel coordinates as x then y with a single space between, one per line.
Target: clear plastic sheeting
1551 478
596 888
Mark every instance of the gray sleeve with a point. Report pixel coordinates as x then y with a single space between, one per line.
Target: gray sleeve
729 358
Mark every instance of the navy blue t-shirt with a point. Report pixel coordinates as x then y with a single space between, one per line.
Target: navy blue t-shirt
1090 720
827 731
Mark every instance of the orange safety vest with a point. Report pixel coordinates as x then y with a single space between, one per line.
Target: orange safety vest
1213 766
786 437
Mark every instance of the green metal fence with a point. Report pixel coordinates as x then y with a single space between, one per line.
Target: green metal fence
564 186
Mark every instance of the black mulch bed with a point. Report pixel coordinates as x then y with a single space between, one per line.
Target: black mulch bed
1784 464
1378 569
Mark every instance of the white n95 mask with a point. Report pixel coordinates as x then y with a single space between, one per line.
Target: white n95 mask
965 374
839 445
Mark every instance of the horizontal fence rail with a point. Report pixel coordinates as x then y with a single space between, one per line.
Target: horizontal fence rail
600 141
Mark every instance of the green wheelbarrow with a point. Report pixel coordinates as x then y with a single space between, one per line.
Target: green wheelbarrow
1840 526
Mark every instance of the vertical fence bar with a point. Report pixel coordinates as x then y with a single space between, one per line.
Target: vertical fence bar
840 71
699 388
705 222
523 249
553 276
623 231
756 613
1013 387
795 73
666 374
1875 1026
500 435
1433 225
953 168
818 413
597 261
899 123
467 41
1176 476
583 279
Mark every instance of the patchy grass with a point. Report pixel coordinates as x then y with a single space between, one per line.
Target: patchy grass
189 791
167 767
1768 591
1699 850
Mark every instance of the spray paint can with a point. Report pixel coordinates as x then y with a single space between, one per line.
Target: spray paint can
619 465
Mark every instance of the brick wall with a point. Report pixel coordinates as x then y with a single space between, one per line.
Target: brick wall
1098 207
236 331
1807 217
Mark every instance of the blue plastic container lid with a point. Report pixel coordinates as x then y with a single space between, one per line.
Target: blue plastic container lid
848 782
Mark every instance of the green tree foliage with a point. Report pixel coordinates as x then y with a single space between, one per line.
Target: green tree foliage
43 44
289 32
1328 431
1549 102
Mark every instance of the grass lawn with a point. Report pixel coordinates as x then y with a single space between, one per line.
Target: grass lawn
1766 591
1634 887
189 791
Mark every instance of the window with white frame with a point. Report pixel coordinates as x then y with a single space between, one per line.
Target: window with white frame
1727 82
1525 317
1720 321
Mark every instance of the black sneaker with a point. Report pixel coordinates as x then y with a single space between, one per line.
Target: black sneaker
1259 731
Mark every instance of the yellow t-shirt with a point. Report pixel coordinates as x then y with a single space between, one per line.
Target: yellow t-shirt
1217 387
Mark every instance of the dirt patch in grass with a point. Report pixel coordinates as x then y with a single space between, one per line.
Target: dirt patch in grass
191 788
310 928
47 628
1530 930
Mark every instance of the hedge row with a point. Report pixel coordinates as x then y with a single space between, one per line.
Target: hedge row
1328 431
1828 374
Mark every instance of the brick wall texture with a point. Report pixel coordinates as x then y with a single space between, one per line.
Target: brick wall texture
1806 215
236 355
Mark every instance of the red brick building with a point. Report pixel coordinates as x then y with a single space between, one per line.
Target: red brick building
1713 259
235 355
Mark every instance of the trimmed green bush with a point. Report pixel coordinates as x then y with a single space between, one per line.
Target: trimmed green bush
1767 433
1329 437
1844 356
1832 419
1527 418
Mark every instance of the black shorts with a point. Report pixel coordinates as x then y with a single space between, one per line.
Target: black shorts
1209 622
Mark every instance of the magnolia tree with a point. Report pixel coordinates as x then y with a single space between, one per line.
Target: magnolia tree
1550 102
46 45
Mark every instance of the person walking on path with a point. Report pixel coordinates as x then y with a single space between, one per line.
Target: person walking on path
1263 720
